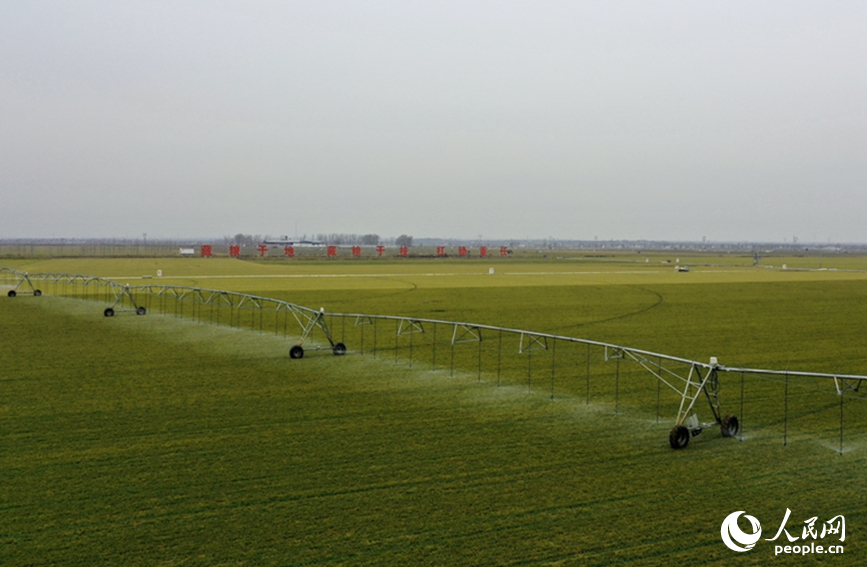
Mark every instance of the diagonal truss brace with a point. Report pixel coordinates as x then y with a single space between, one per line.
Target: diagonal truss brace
121 293
530 342
468 334
309 320
613 353
844 385
693 384
693 387
409 326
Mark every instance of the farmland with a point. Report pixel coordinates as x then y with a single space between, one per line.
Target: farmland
165 440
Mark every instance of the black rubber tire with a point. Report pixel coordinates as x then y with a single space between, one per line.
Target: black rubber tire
729 426
140 311
679 437
109 312
296 352
339 349
37 292
11 293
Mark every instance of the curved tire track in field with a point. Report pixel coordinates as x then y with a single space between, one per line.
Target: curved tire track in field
411 289
659 301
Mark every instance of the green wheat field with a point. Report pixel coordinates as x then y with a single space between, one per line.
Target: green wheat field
178 438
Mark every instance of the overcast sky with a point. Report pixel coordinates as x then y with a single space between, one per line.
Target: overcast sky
647 119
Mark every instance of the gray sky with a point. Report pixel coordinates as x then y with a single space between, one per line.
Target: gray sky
656 120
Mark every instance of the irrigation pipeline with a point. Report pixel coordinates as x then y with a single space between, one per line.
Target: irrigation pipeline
309 319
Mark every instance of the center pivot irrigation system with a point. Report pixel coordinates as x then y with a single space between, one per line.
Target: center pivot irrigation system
122 299
690 380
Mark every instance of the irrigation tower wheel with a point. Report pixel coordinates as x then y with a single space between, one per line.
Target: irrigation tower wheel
37 292
109 312
296 352
140 311
11 293
679 437
729 426
339 349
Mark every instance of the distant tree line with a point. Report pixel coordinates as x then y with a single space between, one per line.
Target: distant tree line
349 239
403 240
243 239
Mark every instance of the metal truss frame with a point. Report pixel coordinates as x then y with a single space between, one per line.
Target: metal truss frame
307 319
693 380
20 279
123 295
